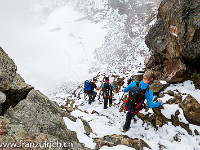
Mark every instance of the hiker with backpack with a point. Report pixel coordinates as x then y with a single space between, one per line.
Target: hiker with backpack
107 89
138 92
89 87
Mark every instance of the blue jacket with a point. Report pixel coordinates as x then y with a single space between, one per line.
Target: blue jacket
148 93
110 84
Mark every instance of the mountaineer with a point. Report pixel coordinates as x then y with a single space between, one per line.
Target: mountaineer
89 87
138 92
107 89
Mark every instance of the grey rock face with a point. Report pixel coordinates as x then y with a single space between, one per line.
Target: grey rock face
11 83
175 37
38 115
7 70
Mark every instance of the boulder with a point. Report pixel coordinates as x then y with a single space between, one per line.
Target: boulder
191 109
157 87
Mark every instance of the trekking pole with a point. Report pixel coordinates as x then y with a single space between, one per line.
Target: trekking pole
121 99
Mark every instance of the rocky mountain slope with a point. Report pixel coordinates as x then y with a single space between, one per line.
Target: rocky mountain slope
28 116
174 124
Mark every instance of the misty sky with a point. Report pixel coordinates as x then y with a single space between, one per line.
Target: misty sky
48 48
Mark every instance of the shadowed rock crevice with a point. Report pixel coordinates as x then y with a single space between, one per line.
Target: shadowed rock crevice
13 97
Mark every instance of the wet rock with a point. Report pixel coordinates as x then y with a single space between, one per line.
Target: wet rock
157 87
191 109
113 140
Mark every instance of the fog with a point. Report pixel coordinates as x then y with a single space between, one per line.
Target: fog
45 42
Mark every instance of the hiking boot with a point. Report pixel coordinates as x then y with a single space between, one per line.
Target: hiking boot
125 129
110 105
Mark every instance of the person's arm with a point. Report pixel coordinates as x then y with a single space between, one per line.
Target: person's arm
149 97
113 88
100 90
129 86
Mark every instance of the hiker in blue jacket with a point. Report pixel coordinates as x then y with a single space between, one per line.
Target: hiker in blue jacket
148 94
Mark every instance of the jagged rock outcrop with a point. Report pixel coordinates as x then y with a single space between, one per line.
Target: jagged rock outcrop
29 116
174 40
37 115
11 83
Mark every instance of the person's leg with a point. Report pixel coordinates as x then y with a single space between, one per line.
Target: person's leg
128 121
105 102
110 102
94 95
90 98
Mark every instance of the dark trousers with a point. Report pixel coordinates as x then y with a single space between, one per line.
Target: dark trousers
106 102
92 96
127 124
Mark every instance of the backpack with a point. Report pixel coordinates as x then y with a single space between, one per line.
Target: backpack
88 86
129 80
107 90
135 100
